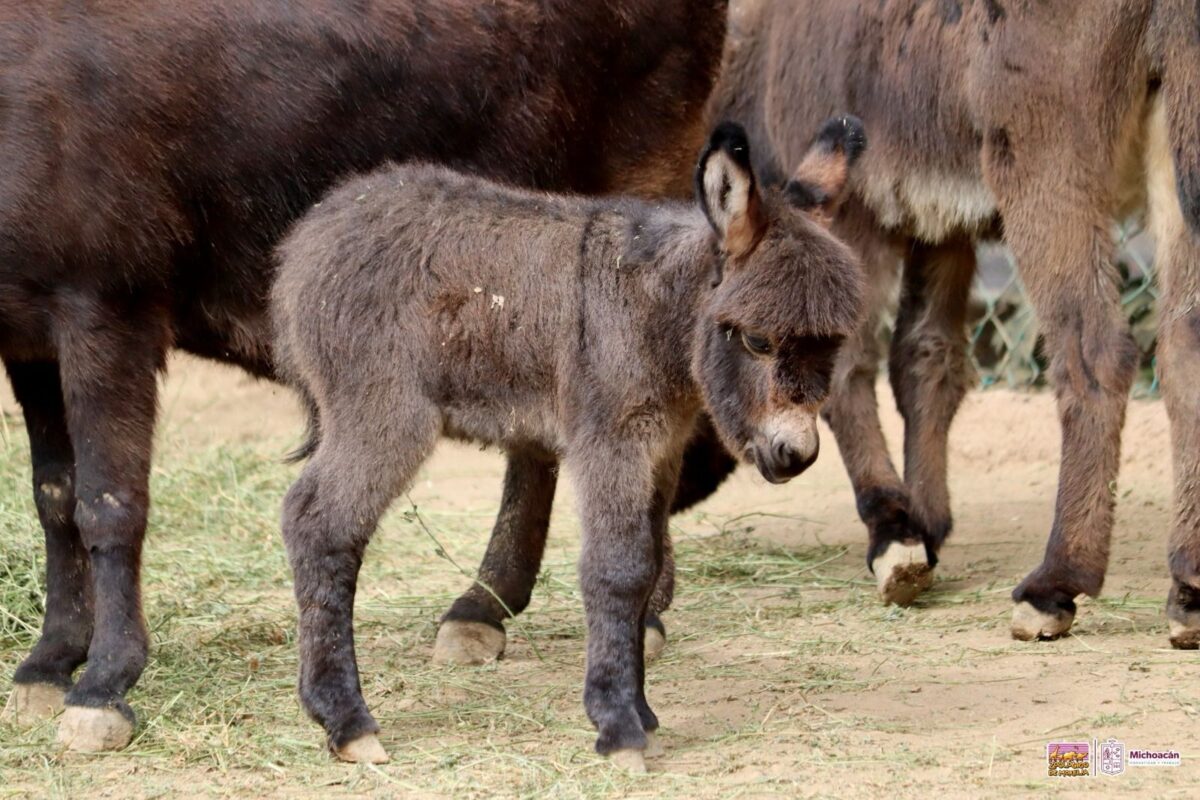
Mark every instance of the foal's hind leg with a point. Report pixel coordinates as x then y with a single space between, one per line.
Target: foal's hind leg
44 677
1178 264
472 631
363 461
930 374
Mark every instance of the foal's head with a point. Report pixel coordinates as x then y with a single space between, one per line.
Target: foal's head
787 293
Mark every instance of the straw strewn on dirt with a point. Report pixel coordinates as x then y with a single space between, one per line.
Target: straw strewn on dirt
783 675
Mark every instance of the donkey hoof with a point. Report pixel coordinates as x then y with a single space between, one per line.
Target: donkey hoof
1183 624
93 730
1031 624
366 749
464 642
31 703
902 572
629 759
1185 636
656 642
654 747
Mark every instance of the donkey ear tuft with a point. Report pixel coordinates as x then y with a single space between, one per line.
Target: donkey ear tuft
844 134
731 138
820 181
727 191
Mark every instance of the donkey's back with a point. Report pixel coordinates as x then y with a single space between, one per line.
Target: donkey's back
448 278
151 142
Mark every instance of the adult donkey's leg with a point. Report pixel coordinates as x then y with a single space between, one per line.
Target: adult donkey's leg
472 631
1178 266
930 375
1057 221
109 357
43 679
853 413
706 464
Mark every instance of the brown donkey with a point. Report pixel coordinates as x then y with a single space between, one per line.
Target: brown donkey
415 303
153 153
1038 122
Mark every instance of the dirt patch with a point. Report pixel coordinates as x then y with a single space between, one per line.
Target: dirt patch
783 674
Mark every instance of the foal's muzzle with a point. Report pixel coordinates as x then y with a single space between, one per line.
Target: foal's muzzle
787 446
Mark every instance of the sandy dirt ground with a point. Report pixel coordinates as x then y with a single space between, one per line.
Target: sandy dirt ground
807 685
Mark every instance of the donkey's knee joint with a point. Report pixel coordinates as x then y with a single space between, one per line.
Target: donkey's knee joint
55 499
634 578
109 518
1104 364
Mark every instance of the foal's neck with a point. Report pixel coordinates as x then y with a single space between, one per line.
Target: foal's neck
684 261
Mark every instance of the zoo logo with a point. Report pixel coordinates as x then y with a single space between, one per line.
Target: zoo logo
1068 759
1084 759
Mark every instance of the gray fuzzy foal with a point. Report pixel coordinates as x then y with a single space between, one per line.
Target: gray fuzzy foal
415 302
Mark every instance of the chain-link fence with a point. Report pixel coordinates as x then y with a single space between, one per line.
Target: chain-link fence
1005 345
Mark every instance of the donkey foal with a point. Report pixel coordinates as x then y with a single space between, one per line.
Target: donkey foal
416 302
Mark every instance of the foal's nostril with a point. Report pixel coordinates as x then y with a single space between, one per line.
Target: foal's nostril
788 462
783 455
807 462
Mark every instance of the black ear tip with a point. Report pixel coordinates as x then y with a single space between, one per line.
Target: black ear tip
845 133
731 138
803 195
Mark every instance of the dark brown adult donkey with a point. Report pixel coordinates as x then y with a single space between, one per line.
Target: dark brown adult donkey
1038 122
416 303
153 152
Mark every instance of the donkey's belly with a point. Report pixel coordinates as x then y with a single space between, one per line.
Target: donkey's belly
502 422
928 204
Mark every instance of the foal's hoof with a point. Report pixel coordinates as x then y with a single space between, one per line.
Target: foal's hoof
1031 624
365 749
656 642
30 703
1183 618
629 760
654 748
93 730
464 642
902 572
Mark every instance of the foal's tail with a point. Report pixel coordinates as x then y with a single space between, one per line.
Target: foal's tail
287 374
312 433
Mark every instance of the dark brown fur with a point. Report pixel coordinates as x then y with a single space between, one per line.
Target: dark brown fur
153 152
1041 120
416 303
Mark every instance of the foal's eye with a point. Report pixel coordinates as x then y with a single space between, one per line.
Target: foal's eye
755 344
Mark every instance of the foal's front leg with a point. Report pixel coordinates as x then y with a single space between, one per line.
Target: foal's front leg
624 508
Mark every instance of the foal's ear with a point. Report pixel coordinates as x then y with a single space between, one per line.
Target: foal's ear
728 193
819 184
